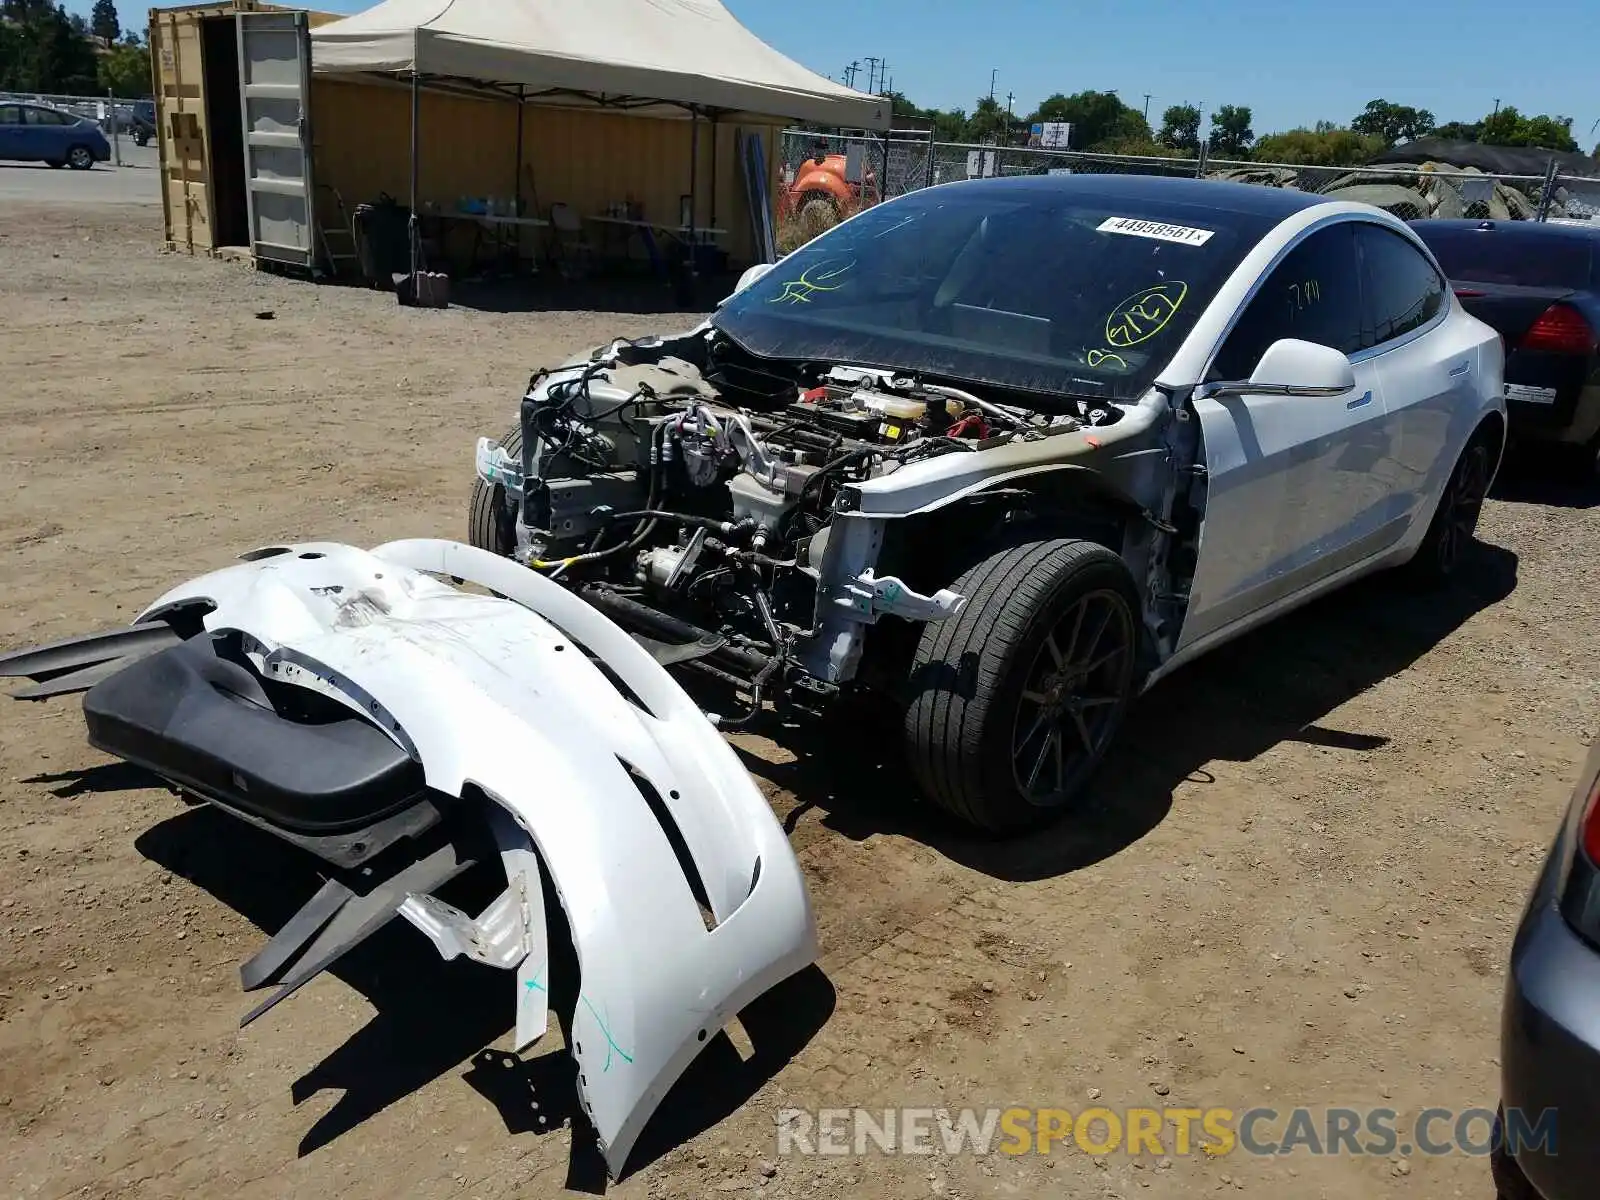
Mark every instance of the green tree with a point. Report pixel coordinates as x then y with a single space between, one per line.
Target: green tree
949 125
1180 128
103 20
1136 147
41 51
1231 134
1550 133
1393 122
1325 146
125 71
25 12
1459 131
1099 120
1508 127
987 122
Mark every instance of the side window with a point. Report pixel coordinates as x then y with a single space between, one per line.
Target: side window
1402 291
1313 294
41 116
10 114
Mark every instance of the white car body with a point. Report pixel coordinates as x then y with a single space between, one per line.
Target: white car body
1304 493
1336 488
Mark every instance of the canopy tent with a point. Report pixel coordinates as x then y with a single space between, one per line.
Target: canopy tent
646 57
621 53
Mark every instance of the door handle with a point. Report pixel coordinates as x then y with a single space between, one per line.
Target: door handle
1460 369
1360 401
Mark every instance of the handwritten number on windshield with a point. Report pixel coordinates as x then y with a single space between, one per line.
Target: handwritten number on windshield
825 276
1144 314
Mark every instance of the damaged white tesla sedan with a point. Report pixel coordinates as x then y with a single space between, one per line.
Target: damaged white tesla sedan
1007 452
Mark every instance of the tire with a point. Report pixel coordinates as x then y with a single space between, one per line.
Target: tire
1510 1183
818 213
488 526
1455 520
1000 731
80 158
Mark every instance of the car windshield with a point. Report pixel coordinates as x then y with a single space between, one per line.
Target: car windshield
1541 259
1017 284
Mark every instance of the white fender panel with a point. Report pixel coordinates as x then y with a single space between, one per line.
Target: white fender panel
498 695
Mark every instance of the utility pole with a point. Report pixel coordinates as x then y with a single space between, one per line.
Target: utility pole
872 72
992 76
1497 106
1010 99
1147 108
850 73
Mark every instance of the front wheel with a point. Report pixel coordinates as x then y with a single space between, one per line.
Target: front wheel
1455 521
80 158
1015 701
489 526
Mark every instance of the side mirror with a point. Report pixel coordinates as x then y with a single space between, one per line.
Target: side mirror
745 280
1290 367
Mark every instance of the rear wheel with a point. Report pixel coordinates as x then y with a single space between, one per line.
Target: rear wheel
80 158
489 525
817 214
1509 1181
1015 701
1455 521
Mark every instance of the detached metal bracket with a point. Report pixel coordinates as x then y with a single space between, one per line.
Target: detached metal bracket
869 597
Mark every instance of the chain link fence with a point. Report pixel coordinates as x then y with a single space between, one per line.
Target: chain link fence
828 177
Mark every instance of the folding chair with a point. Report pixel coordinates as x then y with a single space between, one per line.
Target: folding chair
569 243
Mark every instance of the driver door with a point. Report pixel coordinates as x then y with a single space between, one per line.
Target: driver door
1292 494
11 131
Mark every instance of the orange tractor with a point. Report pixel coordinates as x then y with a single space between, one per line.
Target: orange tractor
821 194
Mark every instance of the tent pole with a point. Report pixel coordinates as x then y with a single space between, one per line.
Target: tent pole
517 208
712 221
416 229
694 179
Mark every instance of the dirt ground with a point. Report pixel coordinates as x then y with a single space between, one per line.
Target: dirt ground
1300 888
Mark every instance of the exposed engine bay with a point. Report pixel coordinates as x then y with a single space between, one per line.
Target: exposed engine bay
692 491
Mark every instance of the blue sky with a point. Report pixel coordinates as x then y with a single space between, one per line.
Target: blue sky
1292 63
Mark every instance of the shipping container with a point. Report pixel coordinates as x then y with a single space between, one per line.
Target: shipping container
196 76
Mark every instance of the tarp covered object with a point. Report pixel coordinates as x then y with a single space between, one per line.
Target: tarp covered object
1496 160
688 52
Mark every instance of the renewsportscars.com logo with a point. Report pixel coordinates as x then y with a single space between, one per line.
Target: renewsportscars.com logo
1099 1131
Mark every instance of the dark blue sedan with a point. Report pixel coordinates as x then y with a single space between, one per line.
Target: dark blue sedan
34 133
